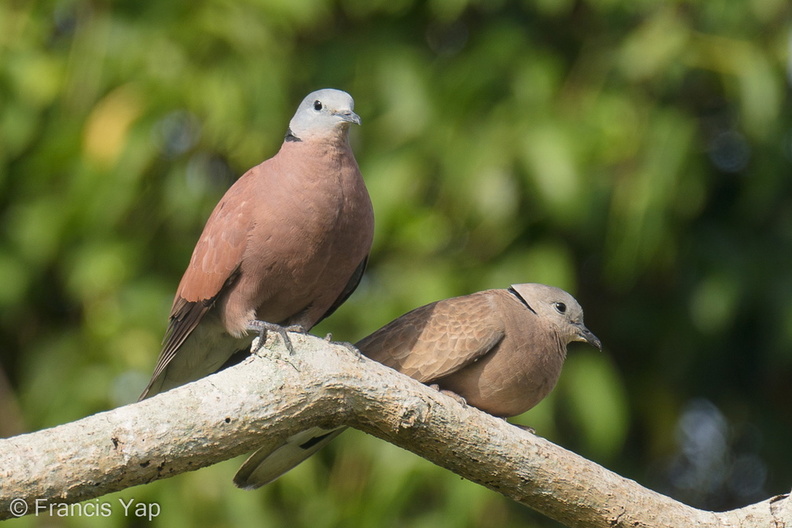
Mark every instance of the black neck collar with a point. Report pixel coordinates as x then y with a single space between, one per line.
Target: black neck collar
290 137
520 298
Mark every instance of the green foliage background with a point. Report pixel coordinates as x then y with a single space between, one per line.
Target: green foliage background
635 153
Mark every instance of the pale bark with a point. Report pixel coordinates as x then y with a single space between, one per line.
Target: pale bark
276 394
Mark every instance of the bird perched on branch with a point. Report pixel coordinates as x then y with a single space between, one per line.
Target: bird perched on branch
284 247
500 350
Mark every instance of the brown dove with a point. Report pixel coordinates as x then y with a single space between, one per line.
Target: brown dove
500 350
285 246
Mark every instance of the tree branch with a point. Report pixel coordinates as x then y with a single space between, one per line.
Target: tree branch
276 394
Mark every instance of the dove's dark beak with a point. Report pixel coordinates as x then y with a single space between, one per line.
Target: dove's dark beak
349 116
586 336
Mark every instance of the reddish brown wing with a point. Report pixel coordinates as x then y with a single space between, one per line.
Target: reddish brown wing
348 290
221 246
438 339
212 268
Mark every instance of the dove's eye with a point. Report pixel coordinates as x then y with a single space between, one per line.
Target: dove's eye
317 105
560 307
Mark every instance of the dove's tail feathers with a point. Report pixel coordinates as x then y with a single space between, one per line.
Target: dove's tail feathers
266 465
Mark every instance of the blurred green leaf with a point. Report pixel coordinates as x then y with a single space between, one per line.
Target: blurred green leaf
596 401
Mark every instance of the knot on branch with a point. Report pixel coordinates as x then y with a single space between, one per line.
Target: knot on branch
413 411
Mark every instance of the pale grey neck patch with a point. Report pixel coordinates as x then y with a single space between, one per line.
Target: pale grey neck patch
323 113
